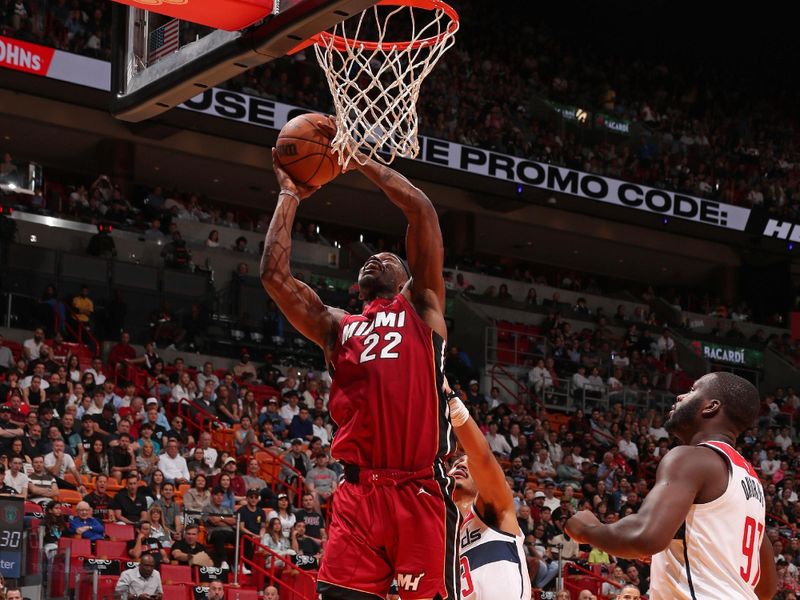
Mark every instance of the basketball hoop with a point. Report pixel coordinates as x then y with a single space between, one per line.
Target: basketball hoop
375 83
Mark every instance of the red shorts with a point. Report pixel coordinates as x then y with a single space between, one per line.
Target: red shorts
406 532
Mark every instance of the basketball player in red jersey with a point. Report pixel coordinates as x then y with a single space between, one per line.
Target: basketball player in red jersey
704 519
393 517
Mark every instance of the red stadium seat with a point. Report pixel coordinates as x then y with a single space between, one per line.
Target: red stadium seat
117 531
78 546
110 550
177 591
176 574
232 593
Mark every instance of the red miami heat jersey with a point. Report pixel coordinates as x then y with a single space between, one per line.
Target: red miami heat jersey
387 370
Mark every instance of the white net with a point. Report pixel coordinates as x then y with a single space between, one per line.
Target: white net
375 84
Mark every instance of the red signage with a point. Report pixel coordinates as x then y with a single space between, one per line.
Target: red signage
230 15
26 57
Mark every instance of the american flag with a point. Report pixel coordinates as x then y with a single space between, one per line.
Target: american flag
164 40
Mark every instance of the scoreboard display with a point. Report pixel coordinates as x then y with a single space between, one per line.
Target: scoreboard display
12 514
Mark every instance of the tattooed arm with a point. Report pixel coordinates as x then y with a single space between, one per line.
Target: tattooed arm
424 246
297 301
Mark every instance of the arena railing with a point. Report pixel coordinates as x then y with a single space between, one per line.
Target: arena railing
577 581
224 437
304 585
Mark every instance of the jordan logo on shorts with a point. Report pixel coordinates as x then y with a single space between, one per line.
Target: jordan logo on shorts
423 491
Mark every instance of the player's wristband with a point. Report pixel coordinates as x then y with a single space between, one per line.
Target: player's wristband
458 412
291 194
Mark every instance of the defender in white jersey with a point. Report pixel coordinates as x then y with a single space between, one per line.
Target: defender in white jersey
703 522
492 552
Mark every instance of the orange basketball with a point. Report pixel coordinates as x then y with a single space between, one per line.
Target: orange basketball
304 152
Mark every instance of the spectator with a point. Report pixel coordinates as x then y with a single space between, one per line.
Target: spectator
83 307
173 465
100 501
220 524
146 544
172 511
497 442
42 487
252 522
198 496
301 425
278 543
32 346
141 581
313 519
55 526
58 463
285 514
16 479
129 505
320 480
186 549
84 525
290 409
271 593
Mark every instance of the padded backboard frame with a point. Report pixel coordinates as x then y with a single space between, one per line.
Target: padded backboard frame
144 93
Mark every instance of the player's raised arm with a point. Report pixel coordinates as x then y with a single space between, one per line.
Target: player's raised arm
679 478
297 301
424 245
493 490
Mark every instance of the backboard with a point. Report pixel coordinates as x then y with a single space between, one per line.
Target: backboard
160 60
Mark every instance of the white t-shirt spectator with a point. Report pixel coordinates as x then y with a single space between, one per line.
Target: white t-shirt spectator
32 349
783 442
181 393
579 381
658 432
202 378
768 467
99 378
498 444
288 413
628 449
19 483
25 383
209 456
322 434
540 378
66 464
665 344
174 468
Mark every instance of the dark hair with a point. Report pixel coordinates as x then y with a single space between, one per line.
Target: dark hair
191 526
218 489
740 399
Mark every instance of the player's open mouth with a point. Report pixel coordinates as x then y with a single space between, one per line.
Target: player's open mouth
459 473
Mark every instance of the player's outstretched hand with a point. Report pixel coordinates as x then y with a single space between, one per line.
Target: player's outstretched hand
327 125
286 182
577 525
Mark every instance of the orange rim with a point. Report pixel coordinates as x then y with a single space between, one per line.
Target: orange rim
342 44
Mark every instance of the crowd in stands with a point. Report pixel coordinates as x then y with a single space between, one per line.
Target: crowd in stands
135 443
694 136
121 433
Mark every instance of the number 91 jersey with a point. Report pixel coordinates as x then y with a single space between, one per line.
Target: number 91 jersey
387 369
715 554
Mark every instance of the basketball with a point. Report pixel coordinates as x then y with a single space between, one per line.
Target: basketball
304 152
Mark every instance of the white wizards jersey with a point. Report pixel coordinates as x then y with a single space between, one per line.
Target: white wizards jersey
493 565
715 554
